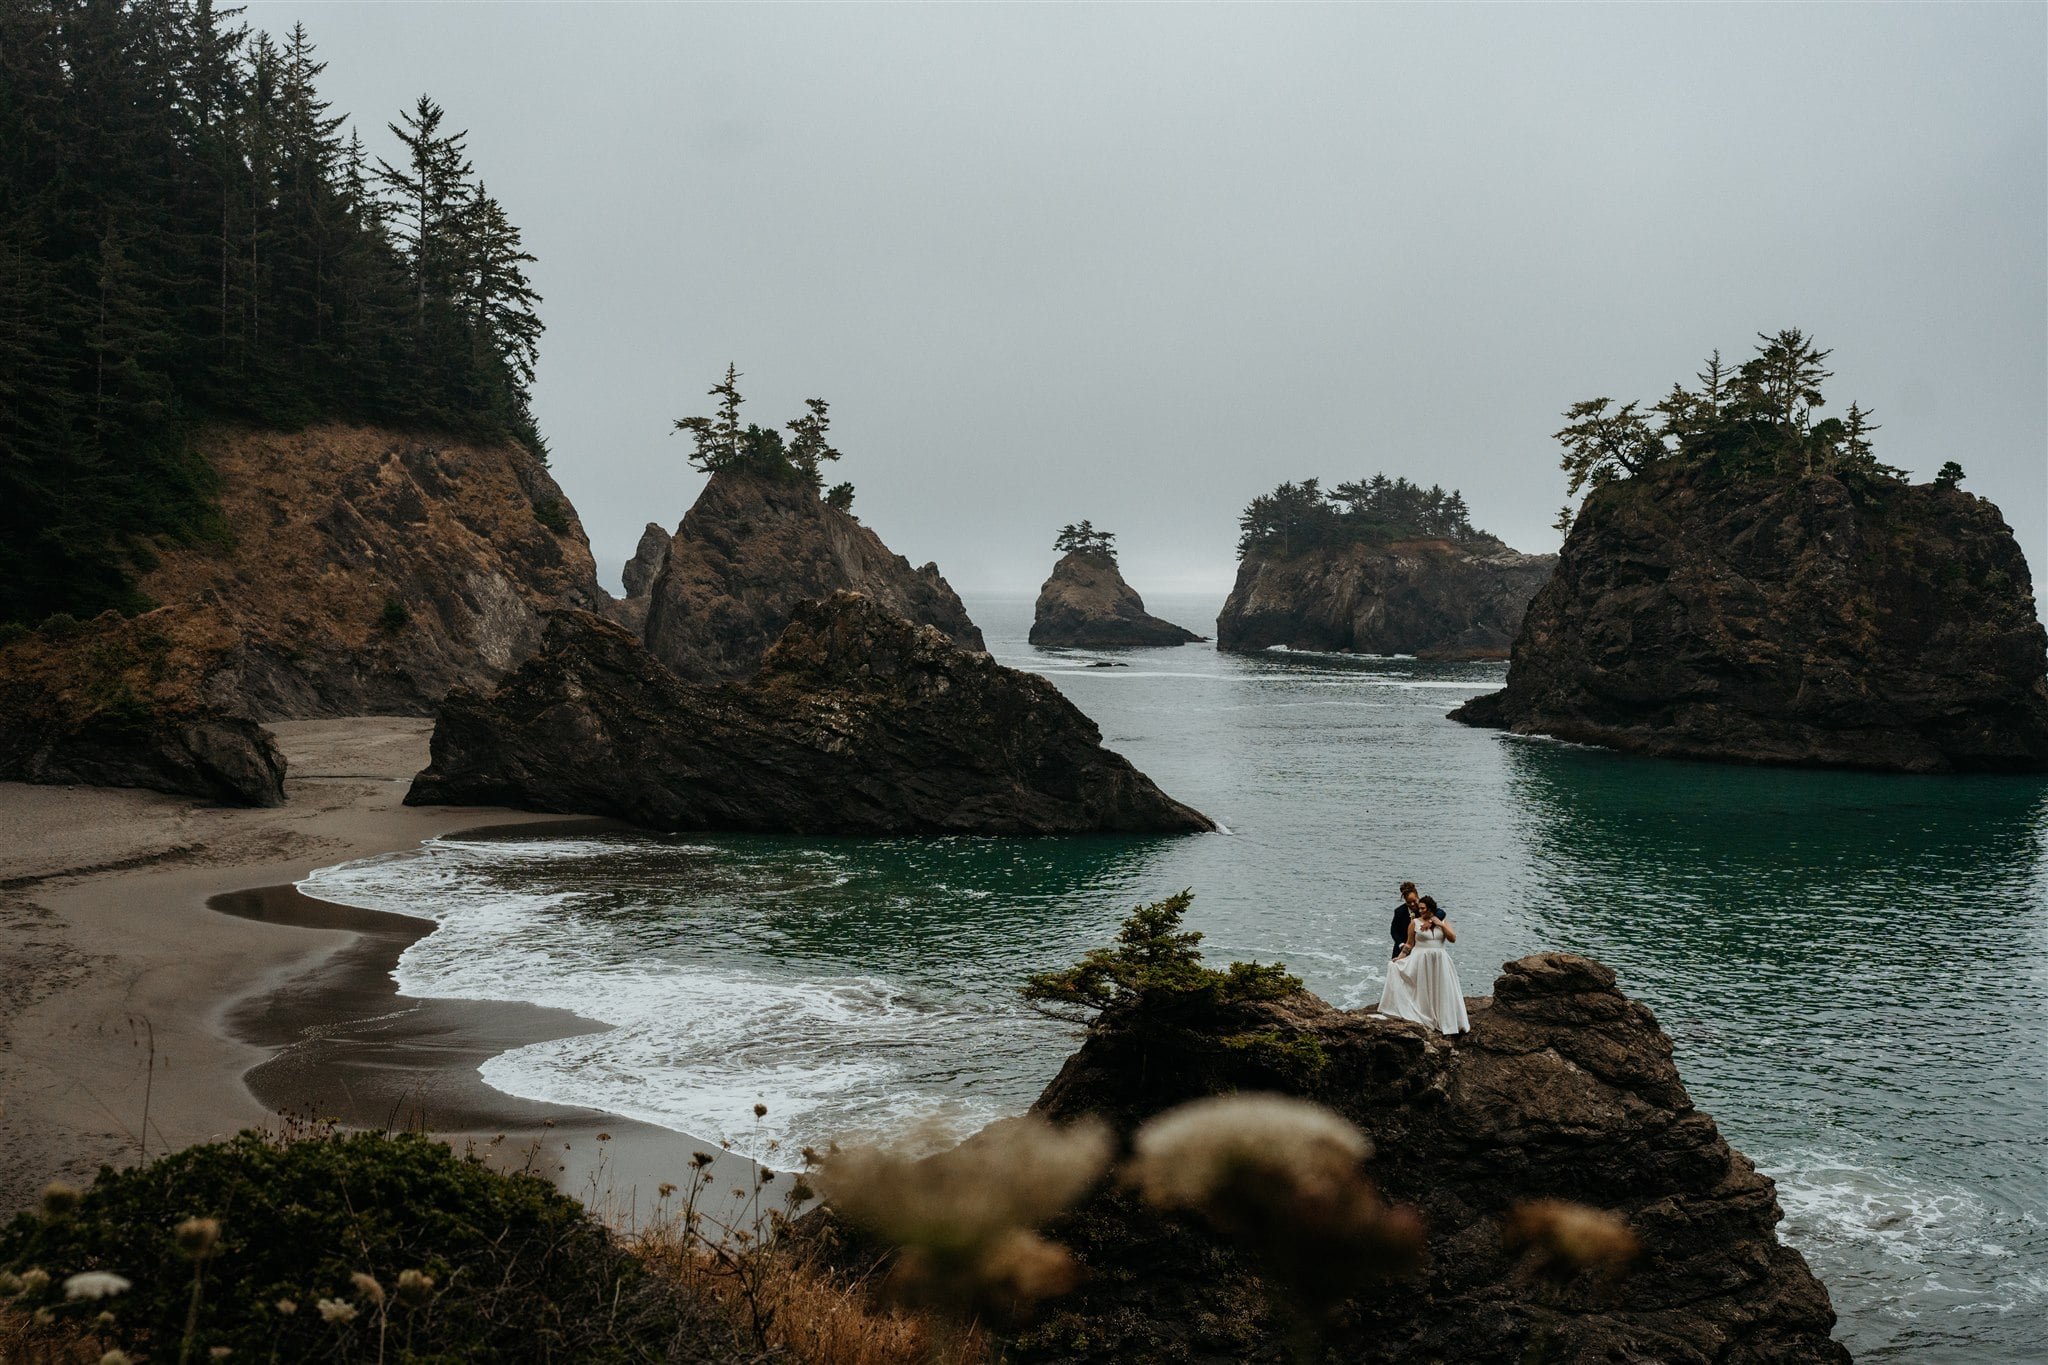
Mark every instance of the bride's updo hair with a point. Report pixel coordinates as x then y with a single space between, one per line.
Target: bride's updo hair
1429 904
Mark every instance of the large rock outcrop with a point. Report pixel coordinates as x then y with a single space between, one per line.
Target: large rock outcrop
1786 620
1564 1089
134 703
750 549
1087 604
371 571
859 722
1432 598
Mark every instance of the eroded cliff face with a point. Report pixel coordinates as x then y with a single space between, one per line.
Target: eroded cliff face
1564 1088
859 722
750 550
1087 604
1791 621
363 571
371 571
1431 598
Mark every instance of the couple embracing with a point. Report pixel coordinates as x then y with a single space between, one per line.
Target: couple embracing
1422 982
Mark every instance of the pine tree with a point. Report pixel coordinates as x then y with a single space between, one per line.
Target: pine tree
809 449
427 196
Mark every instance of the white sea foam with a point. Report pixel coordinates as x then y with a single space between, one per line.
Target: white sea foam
1828 1197
692 1046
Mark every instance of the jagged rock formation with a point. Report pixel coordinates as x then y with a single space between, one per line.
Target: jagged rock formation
1428 597
859 722
1786 620
638 577
132 703
372 571
648 558
1087 604
750 550
1563 1089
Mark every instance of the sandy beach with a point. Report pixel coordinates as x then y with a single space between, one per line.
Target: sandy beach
162 983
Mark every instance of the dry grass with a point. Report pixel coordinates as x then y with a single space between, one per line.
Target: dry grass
24 1341
807 1314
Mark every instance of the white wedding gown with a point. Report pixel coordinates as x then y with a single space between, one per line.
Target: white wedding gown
1423 986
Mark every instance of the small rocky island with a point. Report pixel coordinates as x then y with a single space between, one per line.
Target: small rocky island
1746 582
764 535
1087 605
858 722
1375 566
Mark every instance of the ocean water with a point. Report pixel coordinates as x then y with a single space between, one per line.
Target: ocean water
1854 967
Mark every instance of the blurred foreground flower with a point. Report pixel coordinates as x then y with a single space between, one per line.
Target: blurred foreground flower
965 1218
1284 1177
196 1237
1559 1239
95 1284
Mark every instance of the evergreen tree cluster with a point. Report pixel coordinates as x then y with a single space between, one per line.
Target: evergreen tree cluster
1082 538
722 443
1761 417
185 234
1301 516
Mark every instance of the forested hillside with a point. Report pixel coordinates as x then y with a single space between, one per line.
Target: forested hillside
187 234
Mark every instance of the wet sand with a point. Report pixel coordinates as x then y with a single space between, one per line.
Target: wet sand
162 982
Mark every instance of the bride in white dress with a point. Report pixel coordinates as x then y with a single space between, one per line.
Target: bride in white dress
1422 983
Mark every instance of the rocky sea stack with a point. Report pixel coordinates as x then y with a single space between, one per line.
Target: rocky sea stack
1434 598
1086 604
1375 566
1564 1089
750 550
858 722
1794 619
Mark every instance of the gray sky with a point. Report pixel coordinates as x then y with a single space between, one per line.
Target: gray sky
1138 264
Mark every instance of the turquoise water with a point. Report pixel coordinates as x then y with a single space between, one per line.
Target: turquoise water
1854 968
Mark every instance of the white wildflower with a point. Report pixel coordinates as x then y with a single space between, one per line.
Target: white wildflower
95 1284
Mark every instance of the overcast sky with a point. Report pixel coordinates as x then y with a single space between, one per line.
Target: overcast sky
1138 264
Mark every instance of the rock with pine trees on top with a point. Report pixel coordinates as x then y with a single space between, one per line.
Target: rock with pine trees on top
1378 566
1087 604
858 722
1745 582
766 535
